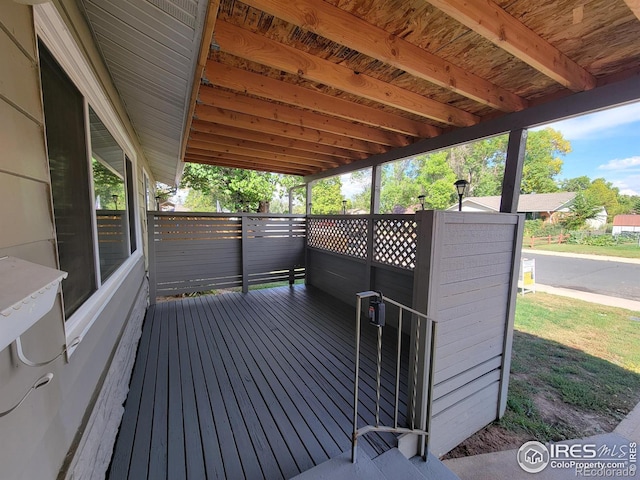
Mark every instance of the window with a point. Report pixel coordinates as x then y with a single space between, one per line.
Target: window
70 187
91 185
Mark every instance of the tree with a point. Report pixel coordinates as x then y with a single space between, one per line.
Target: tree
235 189
604 194
582 209
541 163
577 184
326 196
108 187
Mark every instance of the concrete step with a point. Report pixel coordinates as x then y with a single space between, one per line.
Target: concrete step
391 465
394 465
433 468
341 468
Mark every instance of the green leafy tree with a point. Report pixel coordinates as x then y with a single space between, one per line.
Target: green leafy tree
542 163
199 201
604 194
108 187
582 209
326 196
577 184
235 189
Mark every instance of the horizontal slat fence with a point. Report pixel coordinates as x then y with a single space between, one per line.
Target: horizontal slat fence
199 252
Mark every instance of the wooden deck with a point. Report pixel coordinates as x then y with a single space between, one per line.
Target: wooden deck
255 385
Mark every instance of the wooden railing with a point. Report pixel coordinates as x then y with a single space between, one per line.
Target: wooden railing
199 252
547 240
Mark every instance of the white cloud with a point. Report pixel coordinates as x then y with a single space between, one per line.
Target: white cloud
629 185
631 163
597 125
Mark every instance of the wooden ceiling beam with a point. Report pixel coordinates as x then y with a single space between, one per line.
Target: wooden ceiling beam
261 108
241 80
258 159
634 6
251 122
257 48
346 29
262 167
200 127
492 22
263 147
236 150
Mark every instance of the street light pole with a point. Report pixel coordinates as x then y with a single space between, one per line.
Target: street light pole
461 186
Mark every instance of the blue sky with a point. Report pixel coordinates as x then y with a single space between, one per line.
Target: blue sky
605 145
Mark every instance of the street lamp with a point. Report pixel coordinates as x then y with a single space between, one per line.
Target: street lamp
344 207
115 200
421 199
158 202
461 186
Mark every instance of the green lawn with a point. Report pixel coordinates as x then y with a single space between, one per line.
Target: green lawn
580 358
626 250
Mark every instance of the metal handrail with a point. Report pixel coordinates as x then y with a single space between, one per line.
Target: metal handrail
433 330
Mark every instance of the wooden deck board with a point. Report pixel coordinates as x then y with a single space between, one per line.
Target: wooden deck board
255 385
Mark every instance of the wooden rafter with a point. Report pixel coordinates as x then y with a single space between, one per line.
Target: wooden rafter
263 159
634 5
223 152
249 165
267 126
264 147
245 44
244 81
241 134
295 116
346 29
228 146
492 22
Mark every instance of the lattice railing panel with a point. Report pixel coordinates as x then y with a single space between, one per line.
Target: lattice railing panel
347 236
394 242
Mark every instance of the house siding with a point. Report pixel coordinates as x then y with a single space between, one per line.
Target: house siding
42 436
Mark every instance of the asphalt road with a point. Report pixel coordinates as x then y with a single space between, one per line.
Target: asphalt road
611 278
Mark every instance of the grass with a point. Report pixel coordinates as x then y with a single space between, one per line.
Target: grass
583 359
627 250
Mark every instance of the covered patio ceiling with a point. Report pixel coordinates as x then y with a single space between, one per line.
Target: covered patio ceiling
305 86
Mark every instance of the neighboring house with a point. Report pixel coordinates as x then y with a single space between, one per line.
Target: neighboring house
114 96
545 206
534 205
626 223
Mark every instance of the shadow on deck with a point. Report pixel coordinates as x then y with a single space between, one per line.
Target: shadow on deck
256 385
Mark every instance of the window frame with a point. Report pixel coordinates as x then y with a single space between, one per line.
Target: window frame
52 31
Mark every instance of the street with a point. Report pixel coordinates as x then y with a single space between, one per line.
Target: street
603 277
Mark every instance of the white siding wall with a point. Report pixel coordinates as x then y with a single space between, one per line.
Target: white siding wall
37 437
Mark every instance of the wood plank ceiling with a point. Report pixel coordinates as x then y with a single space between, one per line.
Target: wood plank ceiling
303 86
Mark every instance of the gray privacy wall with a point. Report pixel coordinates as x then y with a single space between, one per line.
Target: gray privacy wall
461 269
207 251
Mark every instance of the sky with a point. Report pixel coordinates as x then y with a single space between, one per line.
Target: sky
604 145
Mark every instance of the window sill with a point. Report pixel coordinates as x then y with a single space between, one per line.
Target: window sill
79 324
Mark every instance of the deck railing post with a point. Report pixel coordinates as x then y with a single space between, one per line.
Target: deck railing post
244 247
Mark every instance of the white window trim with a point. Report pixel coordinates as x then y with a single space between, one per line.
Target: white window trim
53 32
